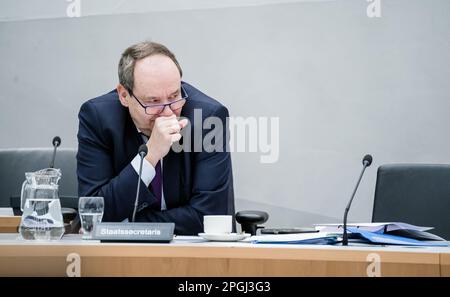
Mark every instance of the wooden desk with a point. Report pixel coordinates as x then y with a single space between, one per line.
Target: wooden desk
445 264
9 224
183 257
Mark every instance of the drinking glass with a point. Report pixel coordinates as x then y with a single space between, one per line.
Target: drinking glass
91 212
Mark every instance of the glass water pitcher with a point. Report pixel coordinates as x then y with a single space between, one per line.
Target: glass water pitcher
42 217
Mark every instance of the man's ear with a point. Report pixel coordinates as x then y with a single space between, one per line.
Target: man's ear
123 95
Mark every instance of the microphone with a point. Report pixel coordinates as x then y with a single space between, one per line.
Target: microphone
56 142
367 161
142 152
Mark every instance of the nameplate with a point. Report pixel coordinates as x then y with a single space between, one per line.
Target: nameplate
134 232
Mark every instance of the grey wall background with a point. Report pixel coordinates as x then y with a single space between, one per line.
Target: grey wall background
341 83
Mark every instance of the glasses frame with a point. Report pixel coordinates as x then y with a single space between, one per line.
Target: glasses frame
163 105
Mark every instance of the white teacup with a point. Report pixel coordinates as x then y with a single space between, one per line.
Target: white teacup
217 224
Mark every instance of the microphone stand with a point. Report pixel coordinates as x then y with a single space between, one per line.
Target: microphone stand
142 153
345 235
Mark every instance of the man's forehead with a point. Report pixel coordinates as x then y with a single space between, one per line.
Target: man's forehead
156 76
156 65
157 90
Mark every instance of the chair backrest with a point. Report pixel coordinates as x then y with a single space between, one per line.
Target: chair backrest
418 194
15 162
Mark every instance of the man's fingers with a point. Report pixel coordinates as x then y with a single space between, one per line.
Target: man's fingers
176 137
183 123
167 122
173 129
170 124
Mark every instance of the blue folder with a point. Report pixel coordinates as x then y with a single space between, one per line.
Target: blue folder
381 238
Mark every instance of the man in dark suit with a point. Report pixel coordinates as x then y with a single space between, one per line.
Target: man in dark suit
146 107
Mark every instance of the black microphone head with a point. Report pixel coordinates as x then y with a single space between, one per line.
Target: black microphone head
367 160
143 150
56 141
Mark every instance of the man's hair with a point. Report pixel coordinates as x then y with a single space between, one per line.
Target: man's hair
137 52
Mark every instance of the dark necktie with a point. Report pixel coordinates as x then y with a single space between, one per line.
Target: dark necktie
156 184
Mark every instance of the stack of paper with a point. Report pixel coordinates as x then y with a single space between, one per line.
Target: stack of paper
6 212
387 233
300 238
371 227
382 238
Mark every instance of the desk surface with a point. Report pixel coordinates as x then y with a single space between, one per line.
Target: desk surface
193 256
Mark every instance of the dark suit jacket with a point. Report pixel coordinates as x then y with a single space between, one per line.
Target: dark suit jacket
195 183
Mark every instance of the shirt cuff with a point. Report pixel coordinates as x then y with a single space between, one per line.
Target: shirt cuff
148 171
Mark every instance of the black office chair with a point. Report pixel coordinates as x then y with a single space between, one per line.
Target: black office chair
418 194
15 162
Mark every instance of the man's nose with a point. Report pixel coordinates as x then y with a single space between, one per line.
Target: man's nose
167 111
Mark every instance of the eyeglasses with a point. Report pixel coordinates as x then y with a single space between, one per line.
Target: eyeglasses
155 109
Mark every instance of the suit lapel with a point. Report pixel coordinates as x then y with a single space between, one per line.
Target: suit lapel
171 178
135 139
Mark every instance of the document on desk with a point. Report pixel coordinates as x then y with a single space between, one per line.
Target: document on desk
380 238
371 227
301 238
6 212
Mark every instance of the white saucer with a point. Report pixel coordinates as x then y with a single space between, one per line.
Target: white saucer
224 237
